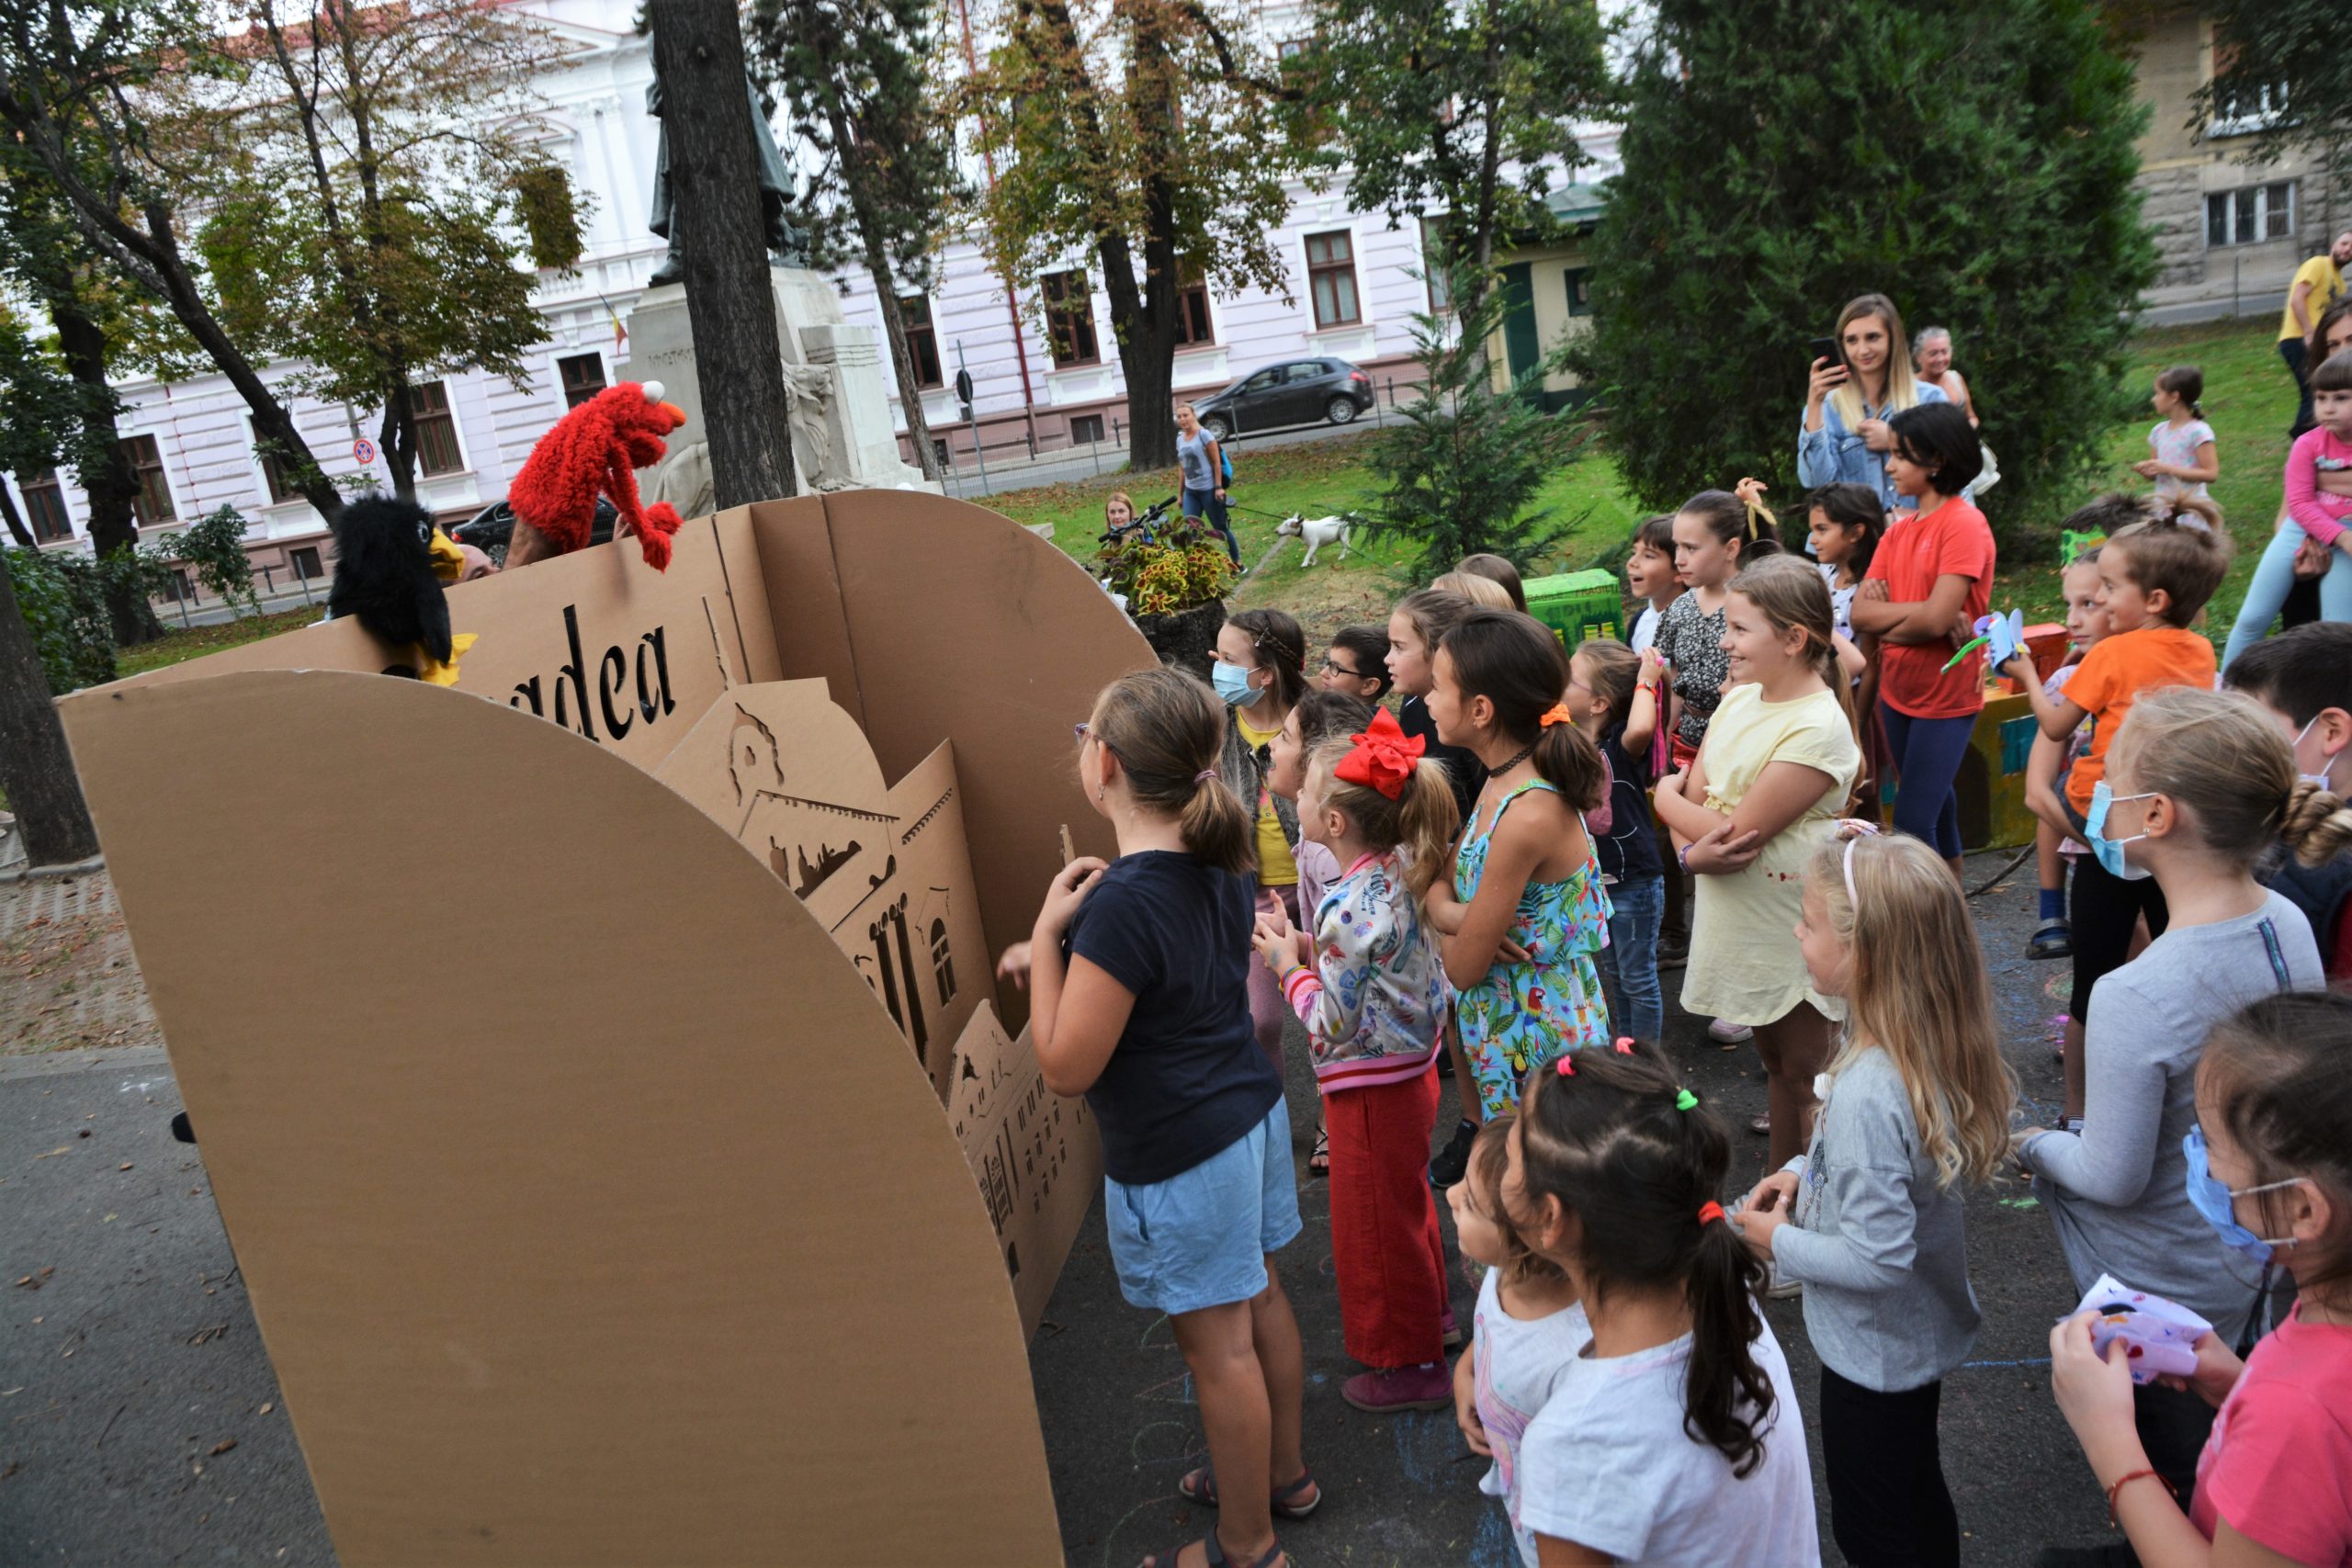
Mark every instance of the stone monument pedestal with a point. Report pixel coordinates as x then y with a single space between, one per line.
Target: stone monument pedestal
843 437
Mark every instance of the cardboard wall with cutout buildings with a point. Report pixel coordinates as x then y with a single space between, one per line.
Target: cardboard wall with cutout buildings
648 1121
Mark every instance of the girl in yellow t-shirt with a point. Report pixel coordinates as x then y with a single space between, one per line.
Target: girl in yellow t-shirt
1261 672
1764 792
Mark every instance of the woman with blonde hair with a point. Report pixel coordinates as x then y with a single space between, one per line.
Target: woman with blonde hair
1868 1220
1844 438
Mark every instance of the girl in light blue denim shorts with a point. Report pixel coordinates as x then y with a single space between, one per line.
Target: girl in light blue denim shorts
1139 975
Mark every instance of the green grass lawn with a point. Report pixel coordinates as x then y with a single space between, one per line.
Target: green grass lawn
194 642
2249 401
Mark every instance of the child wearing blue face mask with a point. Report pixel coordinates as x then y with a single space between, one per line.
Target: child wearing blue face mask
2200 784
2270 1169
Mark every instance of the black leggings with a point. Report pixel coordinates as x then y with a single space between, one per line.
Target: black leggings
1888 1505
2102 909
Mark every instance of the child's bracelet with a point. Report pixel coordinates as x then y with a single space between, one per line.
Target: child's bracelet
2119 1486
1682 859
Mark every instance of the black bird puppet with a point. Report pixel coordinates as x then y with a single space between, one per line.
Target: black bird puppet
391 564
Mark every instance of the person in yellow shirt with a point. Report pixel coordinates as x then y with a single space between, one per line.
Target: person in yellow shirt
1260 673
2317 283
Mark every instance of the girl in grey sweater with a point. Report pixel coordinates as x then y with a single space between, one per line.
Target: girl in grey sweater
1867 1220
2198 786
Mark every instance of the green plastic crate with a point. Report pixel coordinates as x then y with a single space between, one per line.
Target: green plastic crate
1578 605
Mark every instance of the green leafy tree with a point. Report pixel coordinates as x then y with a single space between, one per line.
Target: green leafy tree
370 179
1461 115
65 600
1781 157
1460 473
1150 133
215 545
2282 70
40 409
856 75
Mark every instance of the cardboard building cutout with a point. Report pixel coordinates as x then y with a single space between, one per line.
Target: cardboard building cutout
582 1166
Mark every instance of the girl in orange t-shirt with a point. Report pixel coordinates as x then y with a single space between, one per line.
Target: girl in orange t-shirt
1931 573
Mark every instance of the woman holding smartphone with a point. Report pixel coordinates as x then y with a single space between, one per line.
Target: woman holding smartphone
1844 438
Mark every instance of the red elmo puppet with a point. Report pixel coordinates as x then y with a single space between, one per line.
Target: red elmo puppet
596 448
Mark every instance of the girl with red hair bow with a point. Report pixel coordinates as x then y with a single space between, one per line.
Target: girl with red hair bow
1375 1005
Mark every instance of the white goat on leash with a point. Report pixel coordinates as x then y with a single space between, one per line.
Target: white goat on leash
1317 532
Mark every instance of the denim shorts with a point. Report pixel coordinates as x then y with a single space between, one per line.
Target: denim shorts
1200 1239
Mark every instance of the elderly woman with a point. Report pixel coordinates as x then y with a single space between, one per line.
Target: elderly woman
1843 438
1932 353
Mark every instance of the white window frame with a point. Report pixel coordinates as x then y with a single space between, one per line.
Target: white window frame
2272 111
556 356
2260 194
457 434
1366 318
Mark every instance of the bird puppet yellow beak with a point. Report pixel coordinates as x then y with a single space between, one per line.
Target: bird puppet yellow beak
448 560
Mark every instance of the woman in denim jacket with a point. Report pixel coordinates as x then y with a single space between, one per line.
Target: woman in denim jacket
1843 438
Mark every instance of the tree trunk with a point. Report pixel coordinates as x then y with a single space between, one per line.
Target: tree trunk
35 767
718 224
894 322
396 439
17 529
1144 321
106 476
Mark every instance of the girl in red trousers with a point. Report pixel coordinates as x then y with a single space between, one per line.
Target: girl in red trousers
1375 1002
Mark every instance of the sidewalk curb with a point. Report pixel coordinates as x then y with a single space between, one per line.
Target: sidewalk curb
48 873
94 1059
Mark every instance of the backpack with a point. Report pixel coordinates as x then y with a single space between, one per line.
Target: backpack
1224 462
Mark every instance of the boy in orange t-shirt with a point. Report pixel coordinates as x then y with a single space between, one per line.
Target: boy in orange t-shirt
2154 578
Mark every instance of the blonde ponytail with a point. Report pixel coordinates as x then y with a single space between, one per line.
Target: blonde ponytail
2318 825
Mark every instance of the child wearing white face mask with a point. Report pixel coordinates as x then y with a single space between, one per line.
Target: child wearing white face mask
2304 678
2198 787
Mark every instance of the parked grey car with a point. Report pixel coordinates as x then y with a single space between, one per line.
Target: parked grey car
1296 391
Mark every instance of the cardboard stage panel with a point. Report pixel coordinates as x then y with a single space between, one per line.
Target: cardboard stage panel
583 1166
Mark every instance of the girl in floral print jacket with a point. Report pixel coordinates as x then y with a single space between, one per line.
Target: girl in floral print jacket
1374 1003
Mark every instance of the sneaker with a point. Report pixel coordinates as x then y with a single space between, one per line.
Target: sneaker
1429 1387
1445 1064
1449 1330
2054 940
1675 956
1454 1158
1724 1031
1780 1290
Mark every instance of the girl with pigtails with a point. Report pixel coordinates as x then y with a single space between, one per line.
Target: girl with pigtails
1373 996
1674 1438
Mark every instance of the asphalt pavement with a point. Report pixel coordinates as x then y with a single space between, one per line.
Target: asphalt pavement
142 1424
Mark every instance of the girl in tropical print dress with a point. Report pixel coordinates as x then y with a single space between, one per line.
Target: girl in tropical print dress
1526 912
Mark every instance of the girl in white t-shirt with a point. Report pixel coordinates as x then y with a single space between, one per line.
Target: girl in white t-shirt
1675 1437
1528 1327
2183 457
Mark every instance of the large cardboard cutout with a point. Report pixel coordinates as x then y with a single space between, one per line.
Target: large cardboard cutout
581 1165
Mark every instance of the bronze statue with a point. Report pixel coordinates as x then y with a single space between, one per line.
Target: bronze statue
786 243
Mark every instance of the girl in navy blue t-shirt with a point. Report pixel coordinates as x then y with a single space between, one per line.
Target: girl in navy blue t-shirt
1139 975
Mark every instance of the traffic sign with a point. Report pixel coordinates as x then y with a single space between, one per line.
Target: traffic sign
363 451
964 389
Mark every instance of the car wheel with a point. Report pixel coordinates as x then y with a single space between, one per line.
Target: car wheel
1217 428
1340 410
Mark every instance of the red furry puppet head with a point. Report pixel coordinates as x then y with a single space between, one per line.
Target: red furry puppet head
596 447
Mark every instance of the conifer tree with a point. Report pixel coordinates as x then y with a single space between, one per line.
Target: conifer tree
1973 163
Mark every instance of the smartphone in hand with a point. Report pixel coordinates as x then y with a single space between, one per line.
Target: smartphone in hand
1823 348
